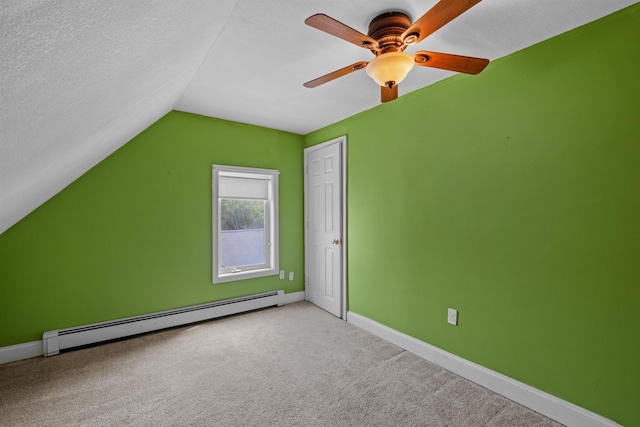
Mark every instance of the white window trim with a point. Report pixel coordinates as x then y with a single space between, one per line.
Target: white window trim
272 264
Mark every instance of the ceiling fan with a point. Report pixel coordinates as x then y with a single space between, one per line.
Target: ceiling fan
389 35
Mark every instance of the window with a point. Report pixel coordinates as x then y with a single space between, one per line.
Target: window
245 223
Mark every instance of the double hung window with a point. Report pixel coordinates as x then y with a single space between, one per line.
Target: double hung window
245 223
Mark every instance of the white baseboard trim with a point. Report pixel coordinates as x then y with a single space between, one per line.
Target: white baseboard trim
291 298
25 350
553 407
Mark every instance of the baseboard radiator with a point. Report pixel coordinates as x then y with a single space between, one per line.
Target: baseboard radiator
62 339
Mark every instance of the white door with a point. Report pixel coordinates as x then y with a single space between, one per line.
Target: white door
324 234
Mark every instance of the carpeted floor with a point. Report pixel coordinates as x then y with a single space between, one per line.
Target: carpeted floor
288 366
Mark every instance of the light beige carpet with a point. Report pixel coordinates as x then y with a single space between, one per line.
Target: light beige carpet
288 366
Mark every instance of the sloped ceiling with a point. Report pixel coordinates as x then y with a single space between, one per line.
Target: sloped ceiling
78 79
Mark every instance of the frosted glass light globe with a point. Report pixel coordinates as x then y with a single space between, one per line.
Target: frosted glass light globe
390 68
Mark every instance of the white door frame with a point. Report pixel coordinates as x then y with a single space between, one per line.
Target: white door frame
342 141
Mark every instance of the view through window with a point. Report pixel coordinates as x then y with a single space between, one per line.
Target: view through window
242 233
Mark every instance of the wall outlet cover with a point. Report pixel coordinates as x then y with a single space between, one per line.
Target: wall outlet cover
452 316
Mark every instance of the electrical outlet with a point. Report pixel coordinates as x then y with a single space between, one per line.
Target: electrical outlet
291 276
452 316
281 274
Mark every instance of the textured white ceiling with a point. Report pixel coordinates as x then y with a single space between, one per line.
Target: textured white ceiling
78 79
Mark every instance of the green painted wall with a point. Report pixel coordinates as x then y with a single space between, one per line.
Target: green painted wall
133 235
514 197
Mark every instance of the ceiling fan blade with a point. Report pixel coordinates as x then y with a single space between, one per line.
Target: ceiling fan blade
388 93
334 75
446 61
336 28
436 17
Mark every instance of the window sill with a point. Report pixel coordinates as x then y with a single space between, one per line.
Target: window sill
243 275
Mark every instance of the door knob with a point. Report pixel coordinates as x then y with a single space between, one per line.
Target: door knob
336 241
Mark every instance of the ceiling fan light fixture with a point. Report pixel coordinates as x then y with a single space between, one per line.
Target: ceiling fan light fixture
390 67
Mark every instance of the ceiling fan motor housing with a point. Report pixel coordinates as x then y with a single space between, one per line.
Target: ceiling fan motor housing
387 29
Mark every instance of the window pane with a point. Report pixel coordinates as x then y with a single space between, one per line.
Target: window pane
242 232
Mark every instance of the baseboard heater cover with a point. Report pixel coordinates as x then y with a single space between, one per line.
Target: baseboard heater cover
62 339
